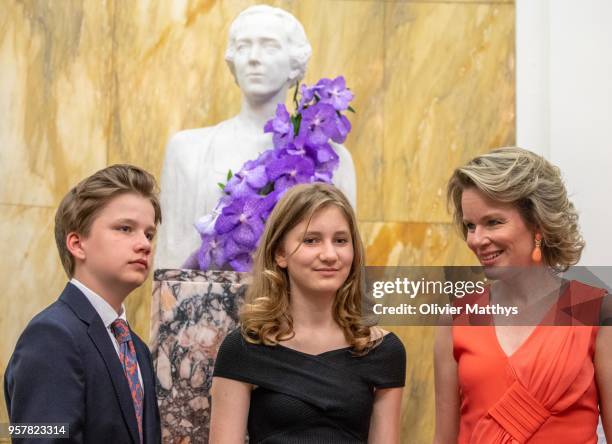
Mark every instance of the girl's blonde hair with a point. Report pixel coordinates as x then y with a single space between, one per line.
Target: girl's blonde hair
265 317
534 185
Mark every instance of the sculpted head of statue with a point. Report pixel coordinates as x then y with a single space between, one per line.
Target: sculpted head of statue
267 51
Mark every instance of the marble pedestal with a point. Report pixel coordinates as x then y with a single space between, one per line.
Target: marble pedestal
192 311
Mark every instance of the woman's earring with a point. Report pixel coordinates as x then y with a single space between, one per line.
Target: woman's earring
536 254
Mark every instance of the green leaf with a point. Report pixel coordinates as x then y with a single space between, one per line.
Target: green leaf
229 174
221 185
296 121
350 108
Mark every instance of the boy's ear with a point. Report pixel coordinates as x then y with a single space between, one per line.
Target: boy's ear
74 245
281 258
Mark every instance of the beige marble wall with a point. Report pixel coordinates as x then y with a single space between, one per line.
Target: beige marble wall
85 84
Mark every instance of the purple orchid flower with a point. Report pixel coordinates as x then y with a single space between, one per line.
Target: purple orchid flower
206 224
242 220
307 94
211 253
248 180
290 170
295 148
243 262
318 124
342 128
322 153
327 162
238 256
281 127
335 93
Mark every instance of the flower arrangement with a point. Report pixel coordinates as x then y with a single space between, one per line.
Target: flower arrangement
301 154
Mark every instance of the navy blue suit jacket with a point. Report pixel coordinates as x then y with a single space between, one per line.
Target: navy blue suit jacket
65 370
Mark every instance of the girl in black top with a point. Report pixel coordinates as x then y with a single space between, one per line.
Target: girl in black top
304 368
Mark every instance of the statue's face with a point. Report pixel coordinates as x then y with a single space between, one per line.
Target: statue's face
261 62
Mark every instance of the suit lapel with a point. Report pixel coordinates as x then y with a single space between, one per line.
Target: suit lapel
99 336
150 397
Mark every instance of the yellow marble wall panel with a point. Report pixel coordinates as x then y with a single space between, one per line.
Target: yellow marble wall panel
138 309
33 274
53 97
418 403
395 244
449 95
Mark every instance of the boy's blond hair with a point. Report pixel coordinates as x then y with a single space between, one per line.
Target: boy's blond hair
79 208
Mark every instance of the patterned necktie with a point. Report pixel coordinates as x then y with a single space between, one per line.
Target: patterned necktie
127 356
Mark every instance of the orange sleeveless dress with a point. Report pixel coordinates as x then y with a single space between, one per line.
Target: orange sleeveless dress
545 392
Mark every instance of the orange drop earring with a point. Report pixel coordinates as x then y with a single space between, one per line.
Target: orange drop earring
536 254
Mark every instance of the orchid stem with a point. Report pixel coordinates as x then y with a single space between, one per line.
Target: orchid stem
295 93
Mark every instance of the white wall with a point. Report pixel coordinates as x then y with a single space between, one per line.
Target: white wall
564 104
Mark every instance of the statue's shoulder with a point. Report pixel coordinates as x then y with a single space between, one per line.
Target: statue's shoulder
343 153
195 138
189 138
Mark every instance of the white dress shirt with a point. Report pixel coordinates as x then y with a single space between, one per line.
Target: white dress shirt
106 313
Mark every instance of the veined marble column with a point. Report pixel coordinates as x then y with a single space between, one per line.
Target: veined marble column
192 311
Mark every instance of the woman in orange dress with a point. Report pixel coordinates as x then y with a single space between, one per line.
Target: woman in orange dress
546 378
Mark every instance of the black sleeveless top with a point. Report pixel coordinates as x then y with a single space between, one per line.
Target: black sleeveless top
302 398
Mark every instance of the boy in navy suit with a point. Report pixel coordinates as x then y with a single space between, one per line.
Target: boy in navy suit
78 362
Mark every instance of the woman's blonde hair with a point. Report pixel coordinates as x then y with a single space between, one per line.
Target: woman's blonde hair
265 317
534 185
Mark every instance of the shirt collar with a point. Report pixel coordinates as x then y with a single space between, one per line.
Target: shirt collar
103 308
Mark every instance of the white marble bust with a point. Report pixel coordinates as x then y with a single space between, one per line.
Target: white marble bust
267 53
